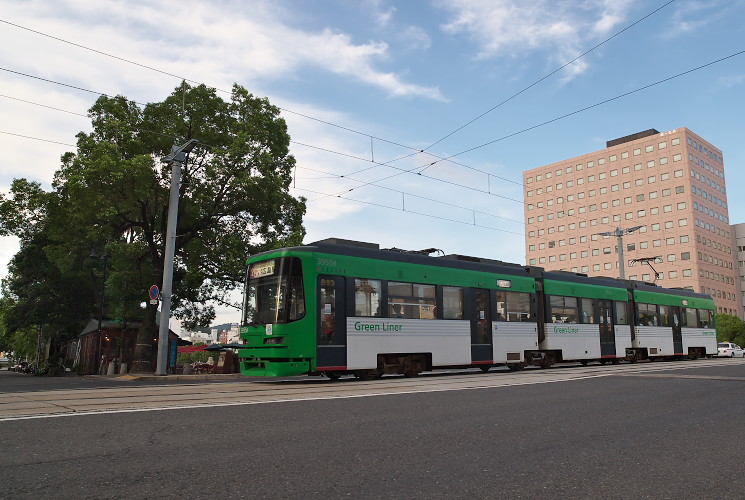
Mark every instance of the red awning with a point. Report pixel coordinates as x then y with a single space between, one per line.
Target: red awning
191 348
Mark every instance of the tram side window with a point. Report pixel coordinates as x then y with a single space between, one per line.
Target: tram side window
563 309
367 297
411 300
513 306
452 302
690 318
647 314
707 318
587 311
622 315
665 316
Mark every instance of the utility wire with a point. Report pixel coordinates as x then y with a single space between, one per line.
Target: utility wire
422 169
412 212
129 61
586 246
606 101
505 101
402 171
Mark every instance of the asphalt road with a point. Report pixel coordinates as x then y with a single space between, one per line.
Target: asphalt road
659 431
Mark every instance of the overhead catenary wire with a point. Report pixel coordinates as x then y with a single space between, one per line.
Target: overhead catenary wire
586 246
548 75
421 169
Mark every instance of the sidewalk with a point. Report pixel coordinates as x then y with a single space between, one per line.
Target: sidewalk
147 376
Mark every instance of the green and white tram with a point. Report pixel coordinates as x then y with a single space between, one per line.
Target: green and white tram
336 307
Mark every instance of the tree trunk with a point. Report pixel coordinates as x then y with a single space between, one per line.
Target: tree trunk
143 354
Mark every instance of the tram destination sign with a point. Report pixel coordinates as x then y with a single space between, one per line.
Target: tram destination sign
261 269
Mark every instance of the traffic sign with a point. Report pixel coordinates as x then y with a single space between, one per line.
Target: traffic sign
154 292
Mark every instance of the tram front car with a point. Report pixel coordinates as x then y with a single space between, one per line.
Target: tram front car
276 329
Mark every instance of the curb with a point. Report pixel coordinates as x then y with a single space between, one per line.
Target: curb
199 377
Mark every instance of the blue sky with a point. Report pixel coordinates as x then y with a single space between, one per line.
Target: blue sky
393 77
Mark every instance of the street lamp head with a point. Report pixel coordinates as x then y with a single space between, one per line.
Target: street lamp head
606 233
635 228
178 153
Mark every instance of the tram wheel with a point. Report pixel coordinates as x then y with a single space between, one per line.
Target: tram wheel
516 366
332 375
583 362
484 368
615 361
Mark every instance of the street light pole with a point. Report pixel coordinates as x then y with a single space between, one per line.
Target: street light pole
175 159
619 233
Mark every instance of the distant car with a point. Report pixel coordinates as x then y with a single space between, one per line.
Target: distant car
729 350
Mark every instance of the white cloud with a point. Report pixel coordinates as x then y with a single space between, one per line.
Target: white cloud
693 15
512 27
217 43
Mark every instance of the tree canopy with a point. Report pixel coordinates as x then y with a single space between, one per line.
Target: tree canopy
112 196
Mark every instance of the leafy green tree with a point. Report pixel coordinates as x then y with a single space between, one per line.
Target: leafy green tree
112 195
730 329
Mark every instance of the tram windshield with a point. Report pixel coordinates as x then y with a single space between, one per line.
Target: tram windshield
274 292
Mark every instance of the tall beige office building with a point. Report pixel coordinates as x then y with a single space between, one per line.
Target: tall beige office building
671 184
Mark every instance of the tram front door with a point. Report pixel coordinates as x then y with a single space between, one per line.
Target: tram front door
332 328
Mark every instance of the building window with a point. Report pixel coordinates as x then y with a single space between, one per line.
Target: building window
678 173
675 141
677 157
685 256
680 189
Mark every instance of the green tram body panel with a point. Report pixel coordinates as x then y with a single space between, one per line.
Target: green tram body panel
672 299
572 289
296 355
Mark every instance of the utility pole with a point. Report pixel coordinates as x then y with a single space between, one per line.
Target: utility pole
619 233
175 159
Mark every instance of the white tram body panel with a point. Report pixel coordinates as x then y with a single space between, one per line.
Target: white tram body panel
512 339
623 339
700 337
449 341
574 340
657 340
